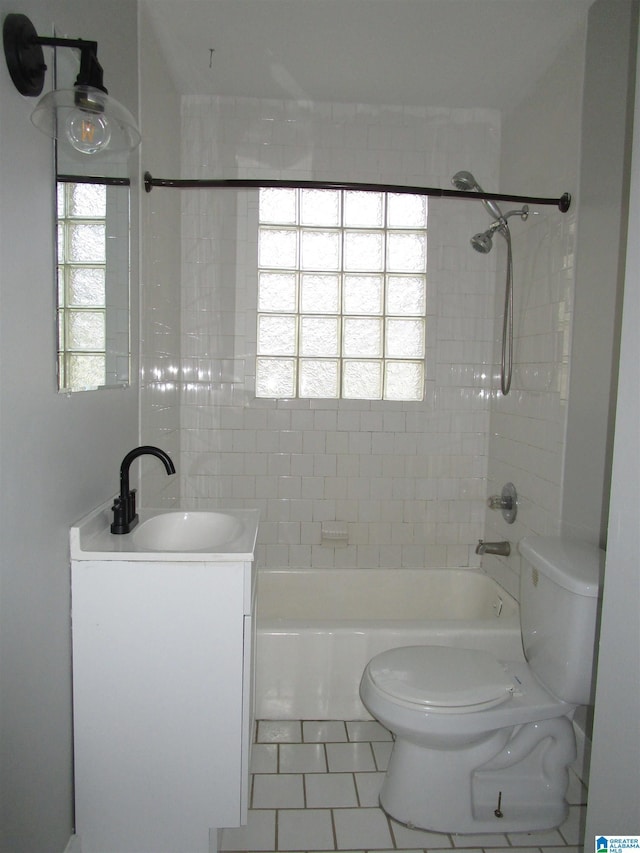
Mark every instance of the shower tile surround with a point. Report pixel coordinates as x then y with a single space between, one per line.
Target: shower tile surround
409 479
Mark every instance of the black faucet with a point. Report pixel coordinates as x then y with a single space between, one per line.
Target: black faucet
124 508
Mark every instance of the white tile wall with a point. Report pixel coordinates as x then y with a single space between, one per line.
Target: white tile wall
410 480
407 478
540 156
526 444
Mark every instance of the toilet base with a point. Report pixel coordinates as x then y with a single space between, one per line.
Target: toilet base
514 781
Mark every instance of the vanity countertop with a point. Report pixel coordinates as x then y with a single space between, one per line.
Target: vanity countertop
233 539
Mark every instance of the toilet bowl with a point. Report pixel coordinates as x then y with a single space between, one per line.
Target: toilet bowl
445 731
483 745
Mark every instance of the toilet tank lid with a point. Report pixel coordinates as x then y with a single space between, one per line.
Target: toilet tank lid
575 566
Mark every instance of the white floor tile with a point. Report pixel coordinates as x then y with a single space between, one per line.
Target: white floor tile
367 828
568 849
484 840
264 758
330 790
278 791
279 731
302 758
493 848
382 752
338 766
572 830
369 785
323 731
406 837
305 829
523 849
349 757
544 838
367 730
258 834
448 850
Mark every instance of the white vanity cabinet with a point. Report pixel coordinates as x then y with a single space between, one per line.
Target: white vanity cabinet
162 693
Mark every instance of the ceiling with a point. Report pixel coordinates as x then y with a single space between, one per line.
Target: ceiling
448 53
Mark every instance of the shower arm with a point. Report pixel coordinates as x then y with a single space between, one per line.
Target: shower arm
563 203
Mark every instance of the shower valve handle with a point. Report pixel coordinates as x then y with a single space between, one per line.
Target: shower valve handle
506 502
498 502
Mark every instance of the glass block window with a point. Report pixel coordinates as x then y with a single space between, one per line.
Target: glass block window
341 294
81 285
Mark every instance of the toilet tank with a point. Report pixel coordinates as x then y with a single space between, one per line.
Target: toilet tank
559 590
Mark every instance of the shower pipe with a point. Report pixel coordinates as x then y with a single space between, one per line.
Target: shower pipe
563 203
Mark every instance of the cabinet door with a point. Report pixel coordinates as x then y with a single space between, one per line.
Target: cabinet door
158 681
248 712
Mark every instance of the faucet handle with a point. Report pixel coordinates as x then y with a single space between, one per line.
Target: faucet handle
506 502
119 516
498 502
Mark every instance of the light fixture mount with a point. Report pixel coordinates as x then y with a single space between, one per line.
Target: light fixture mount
23 52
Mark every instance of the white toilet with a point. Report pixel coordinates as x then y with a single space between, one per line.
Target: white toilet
483 745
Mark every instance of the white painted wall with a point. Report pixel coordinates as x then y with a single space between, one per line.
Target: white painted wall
600 241
59 455
614 785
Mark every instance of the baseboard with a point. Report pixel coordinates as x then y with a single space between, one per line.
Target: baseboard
74 845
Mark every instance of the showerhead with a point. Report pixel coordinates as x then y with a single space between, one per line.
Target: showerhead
465 181
483 242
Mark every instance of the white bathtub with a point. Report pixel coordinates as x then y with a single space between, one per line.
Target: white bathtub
318 628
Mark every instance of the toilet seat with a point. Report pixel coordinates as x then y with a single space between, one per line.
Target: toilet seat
441 678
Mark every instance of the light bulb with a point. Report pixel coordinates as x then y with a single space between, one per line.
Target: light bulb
88 132
88 119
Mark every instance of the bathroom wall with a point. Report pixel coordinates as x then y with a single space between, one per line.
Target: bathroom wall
551 436
407 479
59 454
601 244
160 279
614 783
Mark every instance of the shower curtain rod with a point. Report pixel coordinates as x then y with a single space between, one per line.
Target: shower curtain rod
93 179
563 203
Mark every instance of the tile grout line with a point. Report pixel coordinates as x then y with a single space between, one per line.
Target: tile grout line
355 785
334 830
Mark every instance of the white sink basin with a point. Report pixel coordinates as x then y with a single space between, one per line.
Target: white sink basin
163 535
187 531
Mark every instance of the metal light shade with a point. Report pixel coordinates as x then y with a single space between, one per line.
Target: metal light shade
89 119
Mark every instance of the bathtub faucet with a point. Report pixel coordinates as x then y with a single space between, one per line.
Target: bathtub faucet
502 549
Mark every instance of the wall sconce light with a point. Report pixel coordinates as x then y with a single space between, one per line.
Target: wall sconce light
86 115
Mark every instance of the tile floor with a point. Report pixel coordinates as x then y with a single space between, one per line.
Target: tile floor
315 787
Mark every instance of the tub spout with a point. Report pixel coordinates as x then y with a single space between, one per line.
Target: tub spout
502 549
